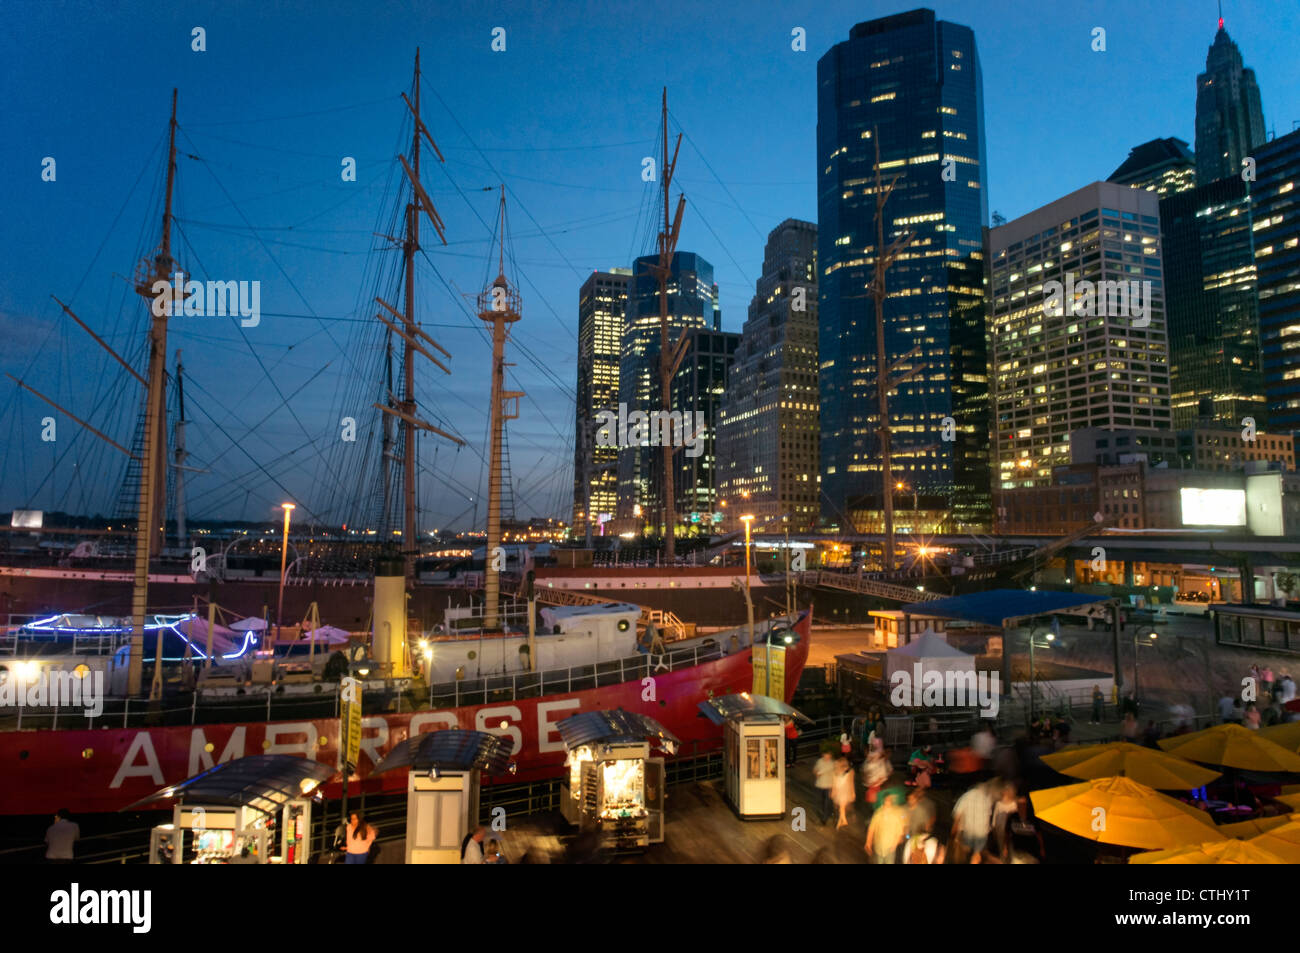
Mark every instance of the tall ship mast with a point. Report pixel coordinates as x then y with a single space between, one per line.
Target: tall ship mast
498 306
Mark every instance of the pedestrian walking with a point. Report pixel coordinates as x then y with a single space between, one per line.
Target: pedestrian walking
471 848
876 771
1287 688
886 831
361 837
1098 705
842 790
971 818
791 742
922 847
1252 718
1266 679
1129 727
823 777
60 838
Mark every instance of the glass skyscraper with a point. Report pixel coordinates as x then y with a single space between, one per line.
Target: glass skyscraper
911 85
692 303
768 435
1275 198
601 305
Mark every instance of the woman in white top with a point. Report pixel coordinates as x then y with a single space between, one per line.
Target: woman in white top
843 791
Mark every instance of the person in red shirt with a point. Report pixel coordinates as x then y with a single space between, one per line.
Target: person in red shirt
791 742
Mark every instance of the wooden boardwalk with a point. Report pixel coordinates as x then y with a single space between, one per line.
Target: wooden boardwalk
703 829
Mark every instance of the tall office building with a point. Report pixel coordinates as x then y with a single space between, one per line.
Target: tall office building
698 387
1211 306
768 433
1163 166
1275 200
1076 337
910 85
1229 118
692 303
602 301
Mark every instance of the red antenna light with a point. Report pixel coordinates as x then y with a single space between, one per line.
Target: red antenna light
1220 23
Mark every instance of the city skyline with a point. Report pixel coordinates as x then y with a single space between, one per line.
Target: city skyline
55 249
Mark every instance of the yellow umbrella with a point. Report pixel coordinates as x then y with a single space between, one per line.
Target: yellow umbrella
1287 735
1121 811
1283 840
1253 827
1219 852
1233 746
1145 765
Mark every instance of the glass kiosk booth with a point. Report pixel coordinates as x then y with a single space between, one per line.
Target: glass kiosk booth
614 786
442 788
238 804
753 751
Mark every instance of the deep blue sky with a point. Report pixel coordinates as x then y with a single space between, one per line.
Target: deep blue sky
563 117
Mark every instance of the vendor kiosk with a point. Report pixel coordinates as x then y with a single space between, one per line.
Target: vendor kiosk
753 751
442 789
246 803
614 787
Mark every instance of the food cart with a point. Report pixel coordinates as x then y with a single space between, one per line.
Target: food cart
753 751
614 786
442 789
238 804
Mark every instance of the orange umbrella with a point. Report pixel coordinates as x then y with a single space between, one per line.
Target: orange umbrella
1219 852
1233 746
1120 758
1121 811
1253 827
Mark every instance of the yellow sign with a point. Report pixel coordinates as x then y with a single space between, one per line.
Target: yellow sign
350 720
776 689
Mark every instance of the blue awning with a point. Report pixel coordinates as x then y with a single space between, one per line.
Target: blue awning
1001 607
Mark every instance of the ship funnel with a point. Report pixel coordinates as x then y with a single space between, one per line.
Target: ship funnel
389 643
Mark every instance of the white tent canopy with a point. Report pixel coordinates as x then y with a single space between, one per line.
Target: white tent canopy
932 652
251 624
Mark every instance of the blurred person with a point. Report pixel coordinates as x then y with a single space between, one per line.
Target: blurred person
1251 719
791 742
1151 735
921 811
823 777
60 837
886 831
1129 727
492 853
1286 688
471 848
983 742
876 771
1003 809
823 856
1025 839
842 790
1225 707
1266 678
972 816
1098 705
777 848
922 847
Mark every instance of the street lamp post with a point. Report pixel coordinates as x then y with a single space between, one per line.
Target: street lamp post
284 552
748 519
1051 637
1152 635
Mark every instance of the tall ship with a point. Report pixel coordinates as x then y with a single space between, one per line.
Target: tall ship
101 710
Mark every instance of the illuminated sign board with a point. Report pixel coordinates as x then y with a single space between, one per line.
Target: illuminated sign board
1213 507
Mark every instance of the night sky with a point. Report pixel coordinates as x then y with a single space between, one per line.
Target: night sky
563 117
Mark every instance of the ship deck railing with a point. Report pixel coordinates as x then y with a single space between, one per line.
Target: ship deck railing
272 702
